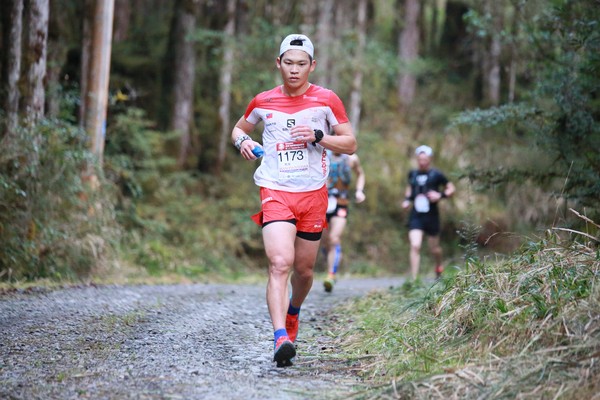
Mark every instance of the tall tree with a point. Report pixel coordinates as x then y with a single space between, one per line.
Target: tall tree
434 16
98 78
86 50
225 83
184 65
344 17
57 51
310 10
491 50
12 64
356 94
408 53
324 42
36 12
122 20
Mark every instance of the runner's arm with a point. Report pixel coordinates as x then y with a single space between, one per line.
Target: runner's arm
407 197
360 178
244 128
343 141
449 189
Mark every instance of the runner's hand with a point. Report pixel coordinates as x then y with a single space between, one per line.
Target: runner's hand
434 196
360 196
303 133
246 149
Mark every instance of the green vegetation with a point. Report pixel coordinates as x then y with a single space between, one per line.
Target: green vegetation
519 167
523 327
514 318
51 224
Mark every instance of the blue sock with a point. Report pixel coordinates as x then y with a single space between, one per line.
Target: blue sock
293 310
279 333
337 258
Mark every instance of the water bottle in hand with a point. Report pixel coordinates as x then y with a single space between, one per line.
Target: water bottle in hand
258 151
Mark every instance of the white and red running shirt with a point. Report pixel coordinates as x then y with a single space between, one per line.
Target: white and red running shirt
288 165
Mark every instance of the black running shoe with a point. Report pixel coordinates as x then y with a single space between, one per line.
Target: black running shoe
285 351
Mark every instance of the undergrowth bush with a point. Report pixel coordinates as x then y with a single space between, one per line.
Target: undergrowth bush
524 327
556 121
52 225
182 223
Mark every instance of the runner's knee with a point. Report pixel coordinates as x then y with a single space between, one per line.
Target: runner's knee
280 264
303 273
334 240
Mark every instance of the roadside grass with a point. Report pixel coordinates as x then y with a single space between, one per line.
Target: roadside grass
526 327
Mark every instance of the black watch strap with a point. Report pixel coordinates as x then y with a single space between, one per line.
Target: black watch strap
318 136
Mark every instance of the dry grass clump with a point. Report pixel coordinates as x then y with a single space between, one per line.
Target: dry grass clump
524 328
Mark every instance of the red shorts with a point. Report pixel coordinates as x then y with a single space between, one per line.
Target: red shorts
306 209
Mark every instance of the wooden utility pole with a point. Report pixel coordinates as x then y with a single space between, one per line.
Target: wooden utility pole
96 98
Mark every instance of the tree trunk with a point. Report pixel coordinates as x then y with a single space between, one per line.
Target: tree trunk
225 87
12 66
408 53
495 52
122 20
57 52
36 52
86 50
323 43
310 10
356 95
183 75
98 77
491 54
514 55
494 72
344 12
435 25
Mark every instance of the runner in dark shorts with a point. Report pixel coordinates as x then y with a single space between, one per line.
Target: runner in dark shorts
341 168
426 187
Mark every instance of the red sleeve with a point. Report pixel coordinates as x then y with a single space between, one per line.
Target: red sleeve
250 107
338 109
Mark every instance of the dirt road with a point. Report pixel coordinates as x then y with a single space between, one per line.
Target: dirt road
201 341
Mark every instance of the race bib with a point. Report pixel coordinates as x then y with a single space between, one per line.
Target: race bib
292 160
331 204
421 203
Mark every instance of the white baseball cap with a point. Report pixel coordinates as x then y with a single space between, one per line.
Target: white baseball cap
297 41
424 149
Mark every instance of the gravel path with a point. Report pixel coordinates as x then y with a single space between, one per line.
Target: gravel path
201 341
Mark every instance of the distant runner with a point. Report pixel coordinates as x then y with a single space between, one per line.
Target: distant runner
426 187
341 167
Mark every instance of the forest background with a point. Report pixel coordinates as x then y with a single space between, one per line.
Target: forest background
505 91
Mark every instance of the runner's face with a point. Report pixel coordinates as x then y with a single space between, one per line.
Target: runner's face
423 161
295 66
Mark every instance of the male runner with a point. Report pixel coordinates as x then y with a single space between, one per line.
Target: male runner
301 120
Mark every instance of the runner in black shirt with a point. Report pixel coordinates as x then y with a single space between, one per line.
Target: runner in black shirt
426 186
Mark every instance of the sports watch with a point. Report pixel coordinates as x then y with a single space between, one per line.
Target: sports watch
240 139
318 136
